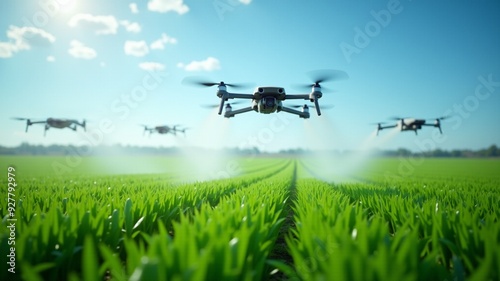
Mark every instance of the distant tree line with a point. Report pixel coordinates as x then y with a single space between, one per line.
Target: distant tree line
28 149
491 151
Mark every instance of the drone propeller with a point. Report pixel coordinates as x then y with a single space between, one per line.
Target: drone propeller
145 129
438 122
202 82
439 118
323 106
323 75
28 122
217 105
379 126
397 118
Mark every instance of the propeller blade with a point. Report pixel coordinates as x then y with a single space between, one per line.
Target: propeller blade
312 106
397 118
19 118
440 118
320 76
217 105
325 75
203 82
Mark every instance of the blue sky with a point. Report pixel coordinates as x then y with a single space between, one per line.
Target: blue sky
119 64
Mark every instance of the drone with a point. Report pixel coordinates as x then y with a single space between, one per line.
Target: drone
164 129
58 123
412 124
269 99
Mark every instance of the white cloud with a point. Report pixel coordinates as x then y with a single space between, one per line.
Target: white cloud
51 59
136 48
7 49
152 66
160 43
246 2
23 38
131 26
101 24
164 6
209 64
80 51
133 8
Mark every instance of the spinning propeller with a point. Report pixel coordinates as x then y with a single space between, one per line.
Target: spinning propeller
217 105
437 122
323 106
28 122
202 82
320 76
317 77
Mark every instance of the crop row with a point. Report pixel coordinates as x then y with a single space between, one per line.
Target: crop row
56 215
371 232
272 221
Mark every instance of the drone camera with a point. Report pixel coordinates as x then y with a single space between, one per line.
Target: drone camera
280 90
260 90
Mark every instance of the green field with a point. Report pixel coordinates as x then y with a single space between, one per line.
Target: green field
154 218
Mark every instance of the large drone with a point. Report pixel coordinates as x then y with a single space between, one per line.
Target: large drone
412 124
58 123
268 100
164 129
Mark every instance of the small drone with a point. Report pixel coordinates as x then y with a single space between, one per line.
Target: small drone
58 123
164 129
270 99
412 124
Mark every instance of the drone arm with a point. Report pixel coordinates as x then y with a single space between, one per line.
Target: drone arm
438 125
297 97
239 96
232 113
301 114
387 127
146 129
316 104
221 106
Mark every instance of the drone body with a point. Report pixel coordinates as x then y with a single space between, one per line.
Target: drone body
412 124
264 100
270 99
58 123
163 129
